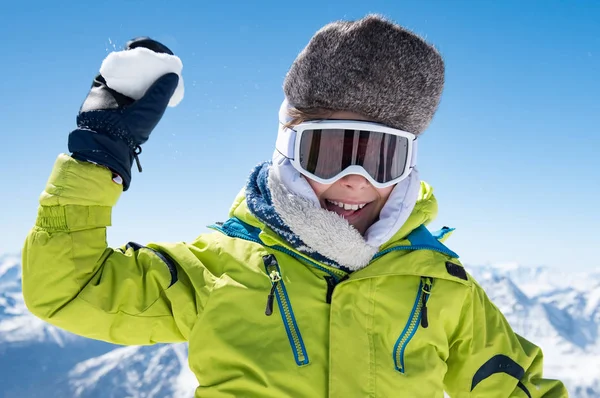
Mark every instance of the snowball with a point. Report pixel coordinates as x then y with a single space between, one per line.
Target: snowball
132 72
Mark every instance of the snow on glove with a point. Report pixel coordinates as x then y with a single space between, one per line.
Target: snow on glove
111 126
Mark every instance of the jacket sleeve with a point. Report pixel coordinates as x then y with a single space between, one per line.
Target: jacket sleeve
488 359
134 295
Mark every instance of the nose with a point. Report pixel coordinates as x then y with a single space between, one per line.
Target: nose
354 181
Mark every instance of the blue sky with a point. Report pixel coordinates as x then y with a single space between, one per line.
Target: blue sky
512 152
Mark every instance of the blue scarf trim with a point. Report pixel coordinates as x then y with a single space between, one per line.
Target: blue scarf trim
260 203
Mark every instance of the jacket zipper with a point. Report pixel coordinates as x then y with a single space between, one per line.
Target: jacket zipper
427 284
287 314
417 316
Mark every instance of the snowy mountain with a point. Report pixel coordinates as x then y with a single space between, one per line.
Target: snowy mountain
558 310
39 360
136 372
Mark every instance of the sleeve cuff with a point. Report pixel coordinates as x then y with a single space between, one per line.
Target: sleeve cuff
80 183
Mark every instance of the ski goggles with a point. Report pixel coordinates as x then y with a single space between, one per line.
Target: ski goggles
327 150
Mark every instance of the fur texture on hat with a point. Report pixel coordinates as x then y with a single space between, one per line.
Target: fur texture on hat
373 67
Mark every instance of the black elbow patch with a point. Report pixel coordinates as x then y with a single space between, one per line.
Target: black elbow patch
163 256
500 364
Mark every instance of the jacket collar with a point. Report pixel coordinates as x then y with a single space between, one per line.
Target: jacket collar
424 252
424 211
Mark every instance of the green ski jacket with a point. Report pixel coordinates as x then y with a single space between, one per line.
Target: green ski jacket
263 320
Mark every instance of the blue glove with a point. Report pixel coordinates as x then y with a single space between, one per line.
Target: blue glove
111 126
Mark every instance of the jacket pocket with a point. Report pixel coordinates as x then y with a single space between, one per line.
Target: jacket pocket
418 316
279 291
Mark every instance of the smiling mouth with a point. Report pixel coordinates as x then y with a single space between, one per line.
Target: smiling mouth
346 210
347 206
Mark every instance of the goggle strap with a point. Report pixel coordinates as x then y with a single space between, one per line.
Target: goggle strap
286 139
413 160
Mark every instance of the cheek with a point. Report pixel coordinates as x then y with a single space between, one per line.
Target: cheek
317 187
384 193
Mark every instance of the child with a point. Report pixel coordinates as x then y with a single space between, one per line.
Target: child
324 281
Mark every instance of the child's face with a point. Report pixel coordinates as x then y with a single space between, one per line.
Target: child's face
352 189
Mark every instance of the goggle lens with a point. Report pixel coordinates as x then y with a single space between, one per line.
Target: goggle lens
327 152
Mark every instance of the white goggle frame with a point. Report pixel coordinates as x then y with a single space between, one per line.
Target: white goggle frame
288 144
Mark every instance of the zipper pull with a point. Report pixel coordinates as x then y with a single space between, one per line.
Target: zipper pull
426 290
275 278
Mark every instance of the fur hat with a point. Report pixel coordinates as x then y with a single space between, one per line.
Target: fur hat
373 67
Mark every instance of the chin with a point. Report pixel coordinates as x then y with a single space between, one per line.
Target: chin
360 228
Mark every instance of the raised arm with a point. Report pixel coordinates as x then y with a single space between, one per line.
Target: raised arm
71 278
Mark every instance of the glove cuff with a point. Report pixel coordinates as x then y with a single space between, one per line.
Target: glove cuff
106 150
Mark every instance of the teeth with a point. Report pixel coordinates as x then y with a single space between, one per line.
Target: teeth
347 206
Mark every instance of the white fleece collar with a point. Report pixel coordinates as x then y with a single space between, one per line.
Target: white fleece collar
326 232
